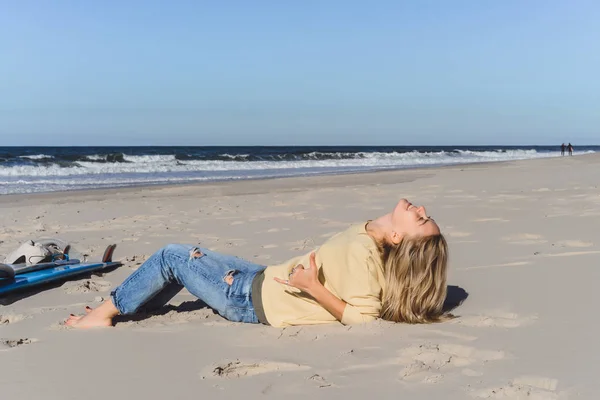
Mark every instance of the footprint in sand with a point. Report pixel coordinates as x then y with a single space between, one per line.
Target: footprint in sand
239 369
428 362
496 319
420 371
6 319
530 387
86 286
6 344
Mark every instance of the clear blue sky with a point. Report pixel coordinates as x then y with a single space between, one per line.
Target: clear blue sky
305 72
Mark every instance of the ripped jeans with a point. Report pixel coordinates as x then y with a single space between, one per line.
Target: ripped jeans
221 281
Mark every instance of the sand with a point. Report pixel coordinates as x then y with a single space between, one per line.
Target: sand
524 244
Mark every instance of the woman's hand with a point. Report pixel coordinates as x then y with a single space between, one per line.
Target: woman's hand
307 280
303 278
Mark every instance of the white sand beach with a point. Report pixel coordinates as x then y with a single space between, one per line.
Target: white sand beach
524 247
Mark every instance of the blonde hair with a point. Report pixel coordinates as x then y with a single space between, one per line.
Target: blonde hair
415 277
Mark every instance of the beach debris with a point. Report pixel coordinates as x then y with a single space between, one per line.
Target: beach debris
239 369
320 381
10 343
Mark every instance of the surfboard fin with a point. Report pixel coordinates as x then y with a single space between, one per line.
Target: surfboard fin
108 253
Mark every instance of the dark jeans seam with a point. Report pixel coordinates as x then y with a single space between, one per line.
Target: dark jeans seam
115 301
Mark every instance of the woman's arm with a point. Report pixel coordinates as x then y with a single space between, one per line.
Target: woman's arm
306 279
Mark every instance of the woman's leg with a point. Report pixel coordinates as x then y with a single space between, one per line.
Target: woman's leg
223 282
171 290
241 265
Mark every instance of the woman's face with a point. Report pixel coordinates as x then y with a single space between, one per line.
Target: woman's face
409 220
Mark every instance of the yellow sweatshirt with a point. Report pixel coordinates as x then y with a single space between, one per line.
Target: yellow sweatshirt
350 267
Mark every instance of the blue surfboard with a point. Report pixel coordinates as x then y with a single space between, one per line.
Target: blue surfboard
10 270
35 278
58 272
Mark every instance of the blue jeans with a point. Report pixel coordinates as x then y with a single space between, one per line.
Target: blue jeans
202 272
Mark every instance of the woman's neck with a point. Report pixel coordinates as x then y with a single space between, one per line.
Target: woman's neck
374 229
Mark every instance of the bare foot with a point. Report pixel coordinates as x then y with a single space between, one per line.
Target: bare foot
88 321
94 318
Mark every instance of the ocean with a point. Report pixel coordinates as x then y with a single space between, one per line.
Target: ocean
48 169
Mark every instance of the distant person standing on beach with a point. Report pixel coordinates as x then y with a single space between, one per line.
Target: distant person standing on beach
570 148
562 149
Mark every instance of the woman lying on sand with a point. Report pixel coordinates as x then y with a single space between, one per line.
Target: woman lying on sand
393 267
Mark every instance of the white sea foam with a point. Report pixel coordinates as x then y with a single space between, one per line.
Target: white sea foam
96 157
36 156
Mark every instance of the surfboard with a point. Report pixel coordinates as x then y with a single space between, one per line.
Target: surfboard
54 273
39 277
10 270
